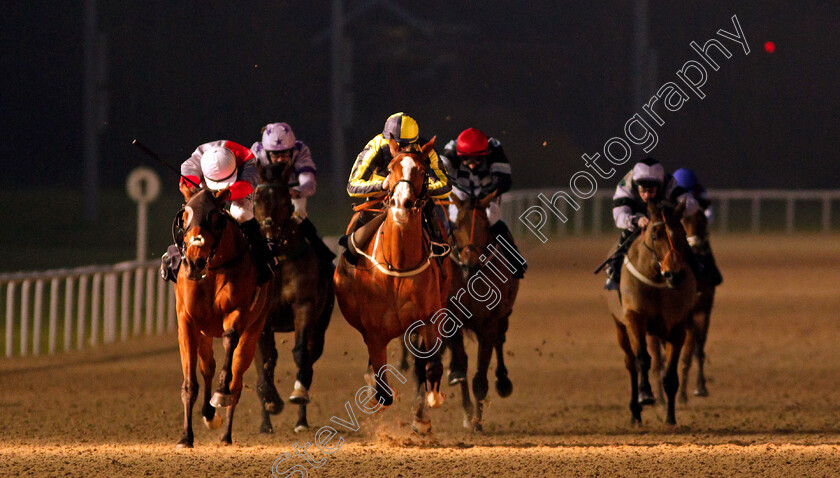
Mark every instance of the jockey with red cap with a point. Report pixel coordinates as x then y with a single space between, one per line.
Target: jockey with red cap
480 168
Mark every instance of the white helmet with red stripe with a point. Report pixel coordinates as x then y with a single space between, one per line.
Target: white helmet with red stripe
218 165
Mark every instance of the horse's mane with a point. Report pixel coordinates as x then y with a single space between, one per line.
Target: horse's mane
274 172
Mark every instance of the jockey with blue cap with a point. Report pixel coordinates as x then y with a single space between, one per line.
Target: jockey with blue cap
688 181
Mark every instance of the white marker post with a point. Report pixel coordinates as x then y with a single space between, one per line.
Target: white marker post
143 186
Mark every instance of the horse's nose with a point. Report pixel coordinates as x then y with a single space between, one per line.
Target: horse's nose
200 263
668 275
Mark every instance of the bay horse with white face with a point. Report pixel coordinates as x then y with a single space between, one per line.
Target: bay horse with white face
216 295
398 284
656 293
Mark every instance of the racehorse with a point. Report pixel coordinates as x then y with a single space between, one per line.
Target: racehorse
216 295
696 228
655 295
301 301
697 328
490 324
399 284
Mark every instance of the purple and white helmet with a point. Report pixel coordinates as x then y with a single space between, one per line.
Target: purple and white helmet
278 137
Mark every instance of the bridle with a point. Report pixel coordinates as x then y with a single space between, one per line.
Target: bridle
652 249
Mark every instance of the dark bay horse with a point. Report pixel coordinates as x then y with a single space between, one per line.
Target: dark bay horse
696 228
656 293
216 295
697 327
301 301
475 253
398 285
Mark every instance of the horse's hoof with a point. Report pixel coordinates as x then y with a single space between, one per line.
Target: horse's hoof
467 423
504 387
456 376
184 444
701 392
274 407
435 399
215 423
646 399
421 426
300 395
636 421
266 428
220 401
301 428
671 421
370 380
477 427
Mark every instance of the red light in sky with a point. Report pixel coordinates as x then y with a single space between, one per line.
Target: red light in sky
769 47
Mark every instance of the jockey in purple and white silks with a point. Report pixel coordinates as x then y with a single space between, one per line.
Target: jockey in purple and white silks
279 144
647 181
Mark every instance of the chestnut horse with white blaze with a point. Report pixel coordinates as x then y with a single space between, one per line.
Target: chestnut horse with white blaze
398 284
656 293
216 295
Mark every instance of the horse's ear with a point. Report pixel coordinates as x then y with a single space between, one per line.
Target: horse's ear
187 191
456 201
680 210
394 147
487 200
428 147
222 195
653 211
287 173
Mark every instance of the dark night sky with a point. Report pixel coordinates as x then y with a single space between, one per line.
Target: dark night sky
527 72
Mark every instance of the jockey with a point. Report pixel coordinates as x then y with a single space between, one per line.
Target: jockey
481 168
647 181
279 145
368 178
224 164
688 181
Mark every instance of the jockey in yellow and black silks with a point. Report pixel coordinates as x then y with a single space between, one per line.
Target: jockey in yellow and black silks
368 178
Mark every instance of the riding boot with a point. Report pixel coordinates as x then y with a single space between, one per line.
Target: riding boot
695 262
362 228
170 262
325 255
711 268
614 271
436 231
259 248
500 231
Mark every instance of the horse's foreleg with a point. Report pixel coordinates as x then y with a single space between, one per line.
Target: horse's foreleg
305 329
378 358
504 387
459 361
189 390
221 399
686 357
207 365
671 382
630 364
656 365
430 337
421 423
243 355
265 361
700 352
637 334
479 384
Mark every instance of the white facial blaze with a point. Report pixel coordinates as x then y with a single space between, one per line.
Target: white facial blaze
402 192
189 213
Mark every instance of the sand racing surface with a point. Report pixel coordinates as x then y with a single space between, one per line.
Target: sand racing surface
773 374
